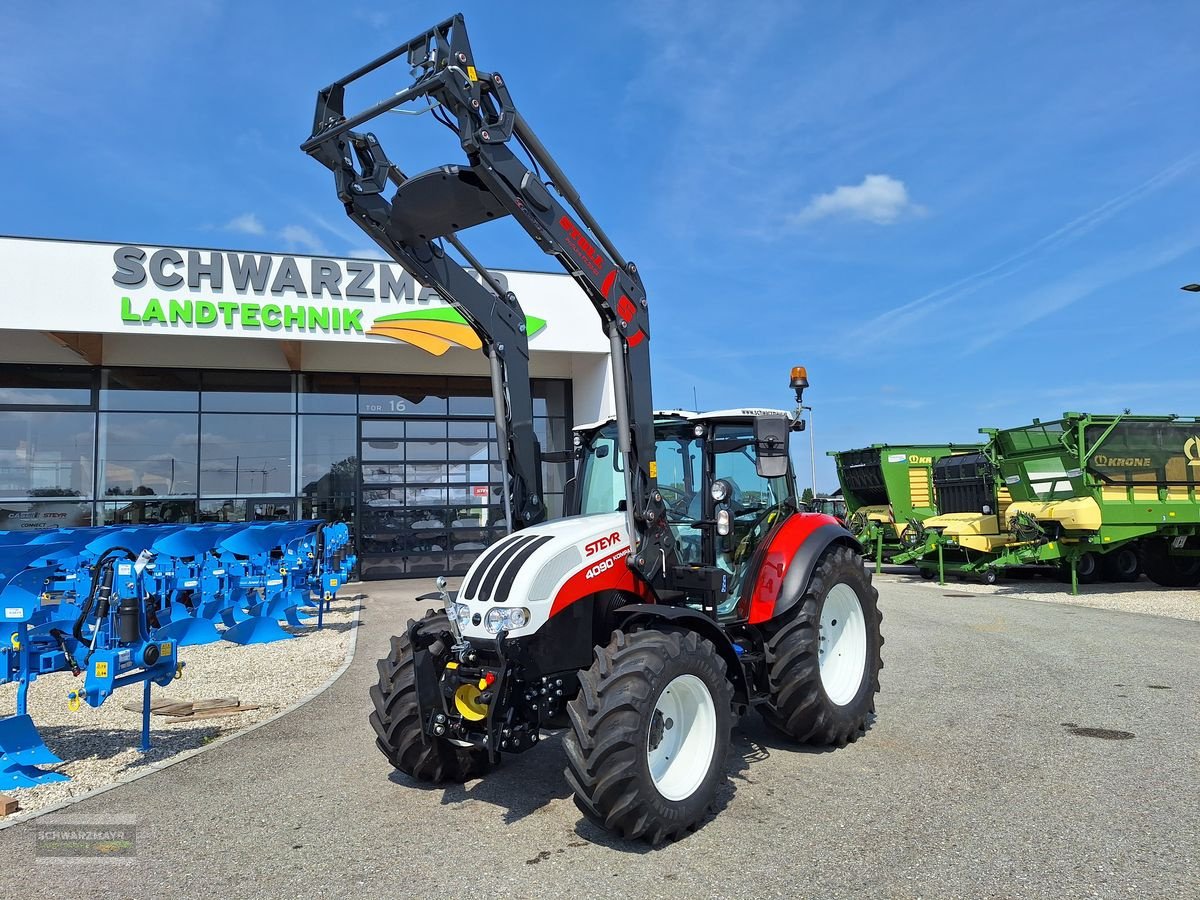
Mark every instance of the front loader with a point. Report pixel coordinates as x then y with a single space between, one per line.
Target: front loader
684 586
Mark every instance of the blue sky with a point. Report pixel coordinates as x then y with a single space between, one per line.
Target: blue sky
955 214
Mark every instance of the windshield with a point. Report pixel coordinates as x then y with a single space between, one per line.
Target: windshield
1046 478
679 454
735 462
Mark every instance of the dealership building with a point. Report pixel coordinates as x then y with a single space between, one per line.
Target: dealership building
143 384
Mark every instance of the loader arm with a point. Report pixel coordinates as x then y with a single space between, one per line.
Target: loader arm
432 207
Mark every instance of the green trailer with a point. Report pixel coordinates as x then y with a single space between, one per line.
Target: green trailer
1096 495
887 488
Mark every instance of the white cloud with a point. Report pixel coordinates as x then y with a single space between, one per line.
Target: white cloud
880 199
297 237
246 223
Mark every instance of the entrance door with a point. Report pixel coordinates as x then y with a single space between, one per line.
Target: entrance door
429 495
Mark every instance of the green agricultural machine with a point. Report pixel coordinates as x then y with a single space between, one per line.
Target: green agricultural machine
888 488
1093 495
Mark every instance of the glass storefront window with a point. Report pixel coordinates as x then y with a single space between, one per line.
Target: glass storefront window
246 455
409 395
230 391
549 397
46 385
328 455
160 445
328 393
236 509
472 397
381 448
148 454
46 454
160 390
64 513
148 512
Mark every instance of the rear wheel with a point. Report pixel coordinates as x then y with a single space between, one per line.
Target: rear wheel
823 656
1121 565
397 716
1164 569
650 733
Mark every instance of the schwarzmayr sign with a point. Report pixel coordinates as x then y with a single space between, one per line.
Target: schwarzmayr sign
205 290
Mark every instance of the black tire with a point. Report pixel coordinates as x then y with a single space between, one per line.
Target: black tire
989 576
1166 570
397 718
1121 565
1087 568
928 574
612 716
799 706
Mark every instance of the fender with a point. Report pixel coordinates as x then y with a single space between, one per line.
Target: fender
791 558
642 613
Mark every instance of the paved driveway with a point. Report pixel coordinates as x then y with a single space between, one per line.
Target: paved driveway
980 778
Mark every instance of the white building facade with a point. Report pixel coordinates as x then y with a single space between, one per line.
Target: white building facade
143 383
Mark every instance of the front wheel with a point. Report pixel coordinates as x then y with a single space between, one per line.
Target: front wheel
396 717
824 655
650 733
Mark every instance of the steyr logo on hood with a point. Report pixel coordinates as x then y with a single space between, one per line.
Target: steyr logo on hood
594 547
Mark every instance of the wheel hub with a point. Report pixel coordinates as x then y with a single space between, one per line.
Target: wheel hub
842 644
681 738
658 727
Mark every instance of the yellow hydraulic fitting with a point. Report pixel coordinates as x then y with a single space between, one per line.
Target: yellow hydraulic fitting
74 701
15 641
179 670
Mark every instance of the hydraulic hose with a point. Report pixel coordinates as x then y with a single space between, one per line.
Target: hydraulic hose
61 639
101 560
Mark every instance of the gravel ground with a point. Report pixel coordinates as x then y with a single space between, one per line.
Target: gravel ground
1142 596
99 746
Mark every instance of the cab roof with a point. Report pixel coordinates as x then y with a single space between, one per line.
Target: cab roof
741 414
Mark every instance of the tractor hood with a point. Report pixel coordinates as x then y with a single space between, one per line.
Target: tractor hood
531 568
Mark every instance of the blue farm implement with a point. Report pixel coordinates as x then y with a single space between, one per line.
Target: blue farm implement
113 606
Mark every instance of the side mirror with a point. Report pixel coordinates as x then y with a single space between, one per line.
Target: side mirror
771 446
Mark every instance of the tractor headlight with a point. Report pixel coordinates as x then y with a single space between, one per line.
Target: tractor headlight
719 490
724 523
462 614
506 618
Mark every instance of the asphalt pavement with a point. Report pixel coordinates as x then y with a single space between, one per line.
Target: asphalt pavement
1021 750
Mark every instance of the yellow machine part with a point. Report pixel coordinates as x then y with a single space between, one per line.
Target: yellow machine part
918 487
1075 513
876 514
881 515
971 530
466 701
1004 501
1183 478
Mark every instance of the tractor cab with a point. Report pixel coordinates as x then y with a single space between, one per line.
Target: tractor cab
725 479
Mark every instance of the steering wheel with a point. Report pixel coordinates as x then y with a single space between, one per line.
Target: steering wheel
680 501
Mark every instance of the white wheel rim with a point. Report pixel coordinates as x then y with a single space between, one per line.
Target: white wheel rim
843 644
682 737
